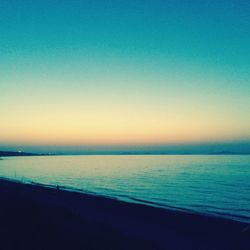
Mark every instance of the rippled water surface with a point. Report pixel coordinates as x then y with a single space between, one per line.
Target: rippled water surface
217 185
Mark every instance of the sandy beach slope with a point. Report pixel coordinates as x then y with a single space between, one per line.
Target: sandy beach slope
37 217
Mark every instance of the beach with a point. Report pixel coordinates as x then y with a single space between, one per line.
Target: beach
39 217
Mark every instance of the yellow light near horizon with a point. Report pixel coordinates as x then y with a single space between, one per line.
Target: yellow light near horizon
103 112
113 125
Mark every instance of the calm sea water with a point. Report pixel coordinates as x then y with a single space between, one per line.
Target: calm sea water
215 185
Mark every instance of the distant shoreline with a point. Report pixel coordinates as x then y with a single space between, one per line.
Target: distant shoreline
13 153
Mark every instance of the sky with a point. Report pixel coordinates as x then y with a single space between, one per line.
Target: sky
133 73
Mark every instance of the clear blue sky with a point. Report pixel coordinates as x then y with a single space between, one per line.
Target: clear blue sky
129 72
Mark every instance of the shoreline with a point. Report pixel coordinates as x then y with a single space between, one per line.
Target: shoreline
90 221
130 200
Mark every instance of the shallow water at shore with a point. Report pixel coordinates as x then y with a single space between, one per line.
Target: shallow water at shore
216 185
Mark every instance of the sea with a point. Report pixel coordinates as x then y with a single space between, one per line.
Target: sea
214 185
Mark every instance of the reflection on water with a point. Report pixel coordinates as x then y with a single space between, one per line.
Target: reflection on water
217 185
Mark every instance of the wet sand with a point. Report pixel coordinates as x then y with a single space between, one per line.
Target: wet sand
38 217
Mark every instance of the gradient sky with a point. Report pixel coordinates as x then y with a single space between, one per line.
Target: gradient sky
124 72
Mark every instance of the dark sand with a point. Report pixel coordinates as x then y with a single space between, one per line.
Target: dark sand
37 217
